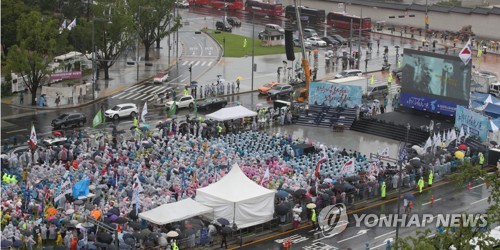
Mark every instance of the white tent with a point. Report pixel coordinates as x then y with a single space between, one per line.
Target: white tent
177 211
238 199
230 113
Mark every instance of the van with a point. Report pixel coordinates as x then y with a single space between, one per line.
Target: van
495 89
379 91
309 33
273 27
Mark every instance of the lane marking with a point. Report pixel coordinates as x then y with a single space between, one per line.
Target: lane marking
185 62
478 186
382 235
210 64
427 203
479 201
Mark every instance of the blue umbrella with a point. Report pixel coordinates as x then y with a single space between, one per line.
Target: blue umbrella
223 221
409 196
282 194
6 243
17 244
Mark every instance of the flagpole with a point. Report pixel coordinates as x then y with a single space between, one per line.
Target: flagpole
400 184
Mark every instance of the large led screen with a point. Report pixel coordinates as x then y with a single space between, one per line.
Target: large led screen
434 82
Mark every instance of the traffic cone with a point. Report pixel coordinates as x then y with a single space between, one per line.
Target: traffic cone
269 99
469 186
432 200
411 205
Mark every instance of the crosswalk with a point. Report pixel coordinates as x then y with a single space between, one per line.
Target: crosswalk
141 92
197 63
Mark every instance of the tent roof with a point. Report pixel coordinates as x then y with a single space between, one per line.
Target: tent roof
492 109
235 187
230 113
176 211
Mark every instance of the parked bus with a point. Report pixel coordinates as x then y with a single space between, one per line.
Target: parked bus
343 21
199 2
268 9
231 4
312 16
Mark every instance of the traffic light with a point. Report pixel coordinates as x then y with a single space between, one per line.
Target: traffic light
190 67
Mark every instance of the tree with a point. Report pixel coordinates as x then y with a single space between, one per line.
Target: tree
153 20
461 236
31 58
113 33
11 11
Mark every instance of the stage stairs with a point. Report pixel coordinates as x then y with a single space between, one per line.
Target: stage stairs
325 116
390 130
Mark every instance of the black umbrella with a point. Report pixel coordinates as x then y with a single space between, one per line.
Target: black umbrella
129 241
329 192
121 220
127 235
282 209
104 237
133 215
352 178
324 186
135 225
494 143
299 192
325 197
409 196
138 235
114 211
223 221
189 231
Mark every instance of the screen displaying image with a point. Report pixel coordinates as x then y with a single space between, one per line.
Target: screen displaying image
442 77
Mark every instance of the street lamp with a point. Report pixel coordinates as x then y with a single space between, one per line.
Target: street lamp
94 64
139 37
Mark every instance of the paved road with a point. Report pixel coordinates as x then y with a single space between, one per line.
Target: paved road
448 199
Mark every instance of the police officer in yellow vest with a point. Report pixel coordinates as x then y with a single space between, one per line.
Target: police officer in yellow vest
389 79
174 245
382 191
431 176
421 184
186 91
481 158
219 129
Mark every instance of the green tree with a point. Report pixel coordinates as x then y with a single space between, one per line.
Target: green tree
113 33
31 58
462 237
11 11
153 20
451 3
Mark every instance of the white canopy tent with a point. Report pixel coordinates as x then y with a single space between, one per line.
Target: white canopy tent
238 199
230 113
177 211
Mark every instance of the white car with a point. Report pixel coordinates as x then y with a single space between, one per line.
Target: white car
186 101
160 78
122 110
182 4
296 43
55 142
316 41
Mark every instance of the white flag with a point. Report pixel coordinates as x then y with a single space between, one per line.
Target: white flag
63 26
33 139
385 152
144 112
428 144
348 167
462 133
466 53
453 135
72 24
266 176
467 134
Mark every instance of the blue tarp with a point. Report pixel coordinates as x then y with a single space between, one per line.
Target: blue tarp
81 188
481 97
492 110
496 122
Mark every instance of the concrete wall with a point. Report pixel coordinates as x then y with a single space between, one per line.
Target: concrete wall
484 26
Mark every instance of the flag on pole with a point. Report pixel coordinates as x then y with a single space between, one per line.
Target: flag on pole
265 177
33 139
72 24
466 53
144 112
461 134
372 80
137 189
245 43
98 119
403 154
318 166
384 152
453 135
428 144
172 110
348 167
62 27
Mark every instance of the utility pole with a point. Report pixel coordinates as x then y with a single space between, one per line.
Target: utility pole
137 48
253 46
426 20
350 39
93 62
359 42
177 43
302 45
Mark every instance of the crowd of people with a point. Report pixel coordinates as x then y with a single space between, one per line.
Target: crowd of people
169 164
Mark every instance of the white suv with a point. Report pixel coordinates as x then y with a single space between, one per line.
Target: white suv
186 101
122 110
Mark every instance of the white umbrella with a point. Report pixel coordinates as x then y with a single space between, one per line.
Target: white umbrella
70 211
172 234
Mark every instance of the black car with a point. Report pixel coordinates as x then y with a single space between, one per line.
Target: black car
234 21
339 38
223 26
212 103
280 90
330 41
69 120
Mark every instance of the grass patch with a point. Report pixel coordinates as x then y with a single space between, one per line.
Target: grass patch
234 45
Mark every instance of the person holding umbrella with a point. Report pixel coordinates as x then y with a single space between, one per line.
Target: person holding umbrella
224 237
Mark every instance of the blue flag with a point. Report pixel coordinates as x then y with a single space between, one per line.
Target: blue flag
81 188
403 154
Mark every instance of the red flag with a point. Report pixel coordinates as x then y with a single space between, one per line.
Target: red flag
33 139
316 172
348 167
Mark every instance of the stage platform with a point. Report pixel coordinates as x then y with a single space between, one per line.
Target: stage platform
417 119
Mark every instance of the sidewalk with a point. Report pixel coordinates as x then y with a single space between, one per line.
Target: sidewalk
121 77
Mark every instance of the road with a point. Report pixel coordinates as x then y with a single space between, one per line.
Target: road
448 199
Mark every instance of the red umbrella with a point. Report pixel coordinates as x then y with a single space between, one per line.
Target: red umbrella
462 146
57 133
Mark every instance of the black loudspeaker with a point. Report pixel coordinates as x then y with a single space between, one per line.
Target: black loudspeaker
290 55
